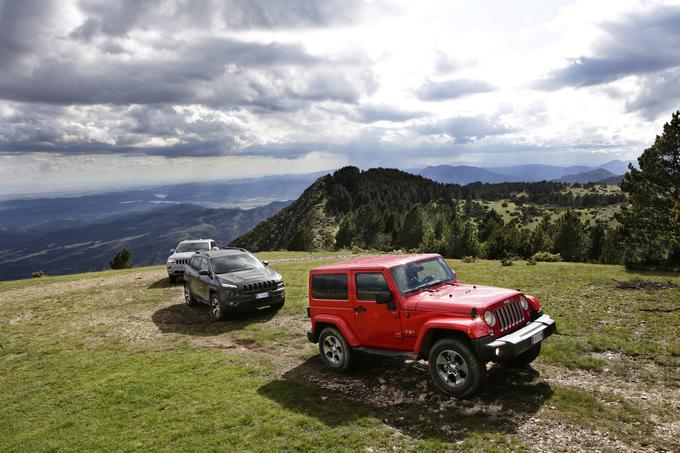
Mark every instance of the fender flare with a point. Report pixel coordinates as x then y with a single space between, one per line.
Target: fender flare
468 327
340 324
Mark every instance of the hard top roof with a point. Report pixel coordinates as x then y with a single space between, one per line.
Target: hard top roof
221 252
189 241
372 262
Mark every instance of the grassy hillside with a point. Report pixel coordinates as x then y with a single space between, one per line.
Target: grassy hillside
116 361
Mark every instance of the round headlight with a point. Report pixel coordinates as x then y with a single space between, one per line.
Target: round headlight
524 303
490 318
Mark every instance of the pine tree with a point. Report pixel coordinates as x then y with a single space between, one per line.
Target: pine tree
571 240
122 260
652 220
302 240
345 234
411 233
431 243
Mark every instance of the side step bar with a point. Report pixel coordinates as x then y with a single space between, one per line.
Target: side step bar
386 353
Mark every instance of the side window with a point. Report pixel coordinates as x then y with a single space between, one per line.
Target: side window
329 286
368 284
212 245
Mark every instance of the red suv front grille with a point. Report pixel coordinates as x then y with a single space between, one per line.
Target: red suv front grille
510 315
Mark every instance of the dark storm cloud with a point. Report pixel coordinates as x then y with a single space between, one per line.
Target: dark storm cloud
639 44
374 113
21 24
51 128
464 128
659 95
193 74
112 82
451 89
121 17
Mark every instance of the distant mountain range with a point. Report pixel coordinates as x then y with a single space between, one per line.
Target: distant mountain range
67 234
49 214
463 174
148 234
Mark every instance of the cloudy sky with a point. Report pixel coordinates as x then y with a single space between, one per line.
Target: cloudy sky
97 94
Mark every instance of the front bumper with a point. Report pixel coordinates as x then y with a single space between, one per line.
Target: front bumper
175 270
245 302
490 349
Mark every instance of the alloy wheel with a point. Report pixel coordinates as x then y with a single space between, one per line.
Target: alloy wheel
332 349
452 368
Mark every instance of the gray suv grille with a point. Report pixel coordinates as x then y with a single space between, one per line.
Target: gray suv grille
182 261
267 285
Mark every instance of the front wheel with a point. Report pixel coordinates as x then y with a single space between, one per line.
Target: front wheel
455 369
334 349
524 359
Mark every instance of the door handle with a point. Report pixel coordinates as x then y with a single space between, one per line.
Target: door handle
359 309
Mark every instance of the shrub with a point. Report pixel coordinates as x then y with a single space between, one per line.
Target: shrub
506 262
531 262
123 260
39 274
357 250
547 257
470 259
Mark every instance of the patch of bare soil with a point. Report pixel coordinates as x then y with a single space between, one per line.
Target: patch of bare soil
638 283
549 434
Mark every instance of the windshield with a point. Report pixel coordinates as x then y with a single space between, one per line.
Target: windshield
192 247
235 263
422 274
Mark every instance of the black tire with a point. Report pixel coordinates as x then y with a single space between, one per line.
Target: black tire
524 359
173 279
277 306
219 311
334 350
189 298
455 369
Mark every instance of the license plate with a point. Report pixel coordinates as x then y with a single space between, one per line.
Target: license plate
536 338
261 295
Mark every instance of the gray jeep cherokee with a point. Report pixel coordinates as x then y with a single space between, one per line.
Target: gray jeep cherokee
232 279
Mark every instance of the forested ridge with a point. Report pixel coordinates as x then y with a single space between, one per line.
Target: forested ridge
388 209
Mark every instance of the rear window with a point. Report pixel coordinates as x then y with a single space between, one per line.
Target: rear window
329 286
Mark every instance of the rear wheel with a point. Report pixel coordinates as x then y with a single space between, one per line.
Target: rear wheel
189 298
218 309
335 352
455 369
524 359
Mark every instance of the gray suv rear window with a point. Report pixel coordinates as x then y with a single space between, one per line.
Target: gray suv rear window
329 286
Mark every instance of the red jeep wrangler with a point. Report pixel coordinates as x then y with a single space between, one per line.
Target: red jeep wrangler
413 306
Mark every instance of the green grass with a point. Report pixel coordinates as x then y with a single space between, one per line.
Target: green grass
115 361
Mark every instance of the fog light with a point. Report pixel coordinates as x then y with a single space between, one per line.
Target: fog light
498 352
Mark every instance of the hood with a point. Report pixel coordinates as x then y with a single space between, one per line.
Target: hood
184 255
459 298
249 276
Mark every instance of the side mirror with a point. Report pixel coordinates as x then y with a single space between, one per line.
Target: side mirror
215 248
383 297
203 272
265 262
